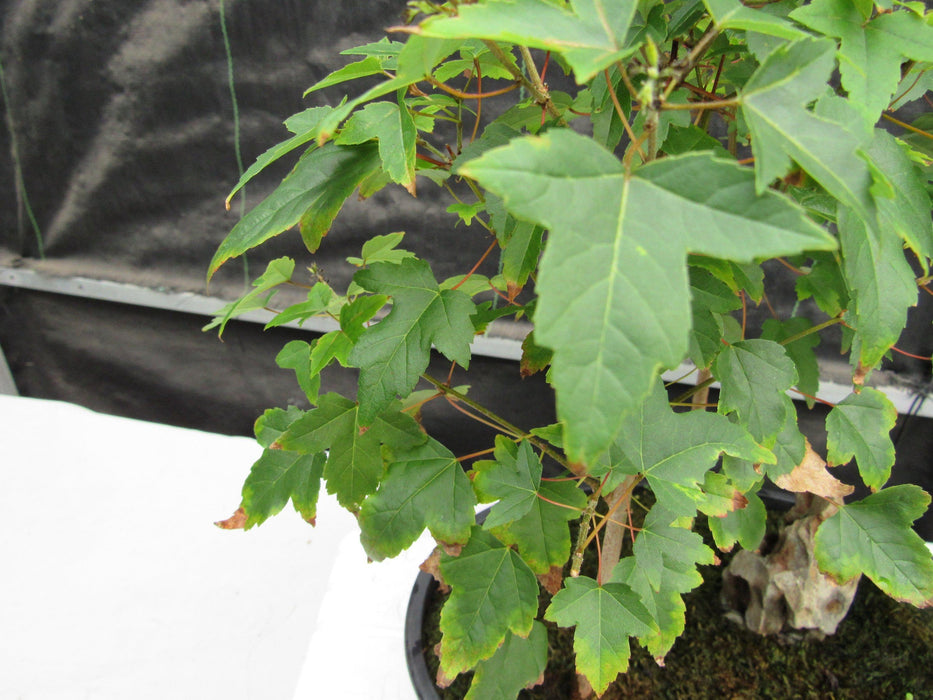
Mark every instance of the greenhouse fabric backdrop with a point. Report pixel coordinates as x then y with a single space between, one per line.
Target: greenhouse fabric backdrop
125 126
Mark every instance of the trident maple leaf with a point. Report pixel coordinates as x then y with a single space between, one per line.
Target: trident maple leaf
393 353
613 289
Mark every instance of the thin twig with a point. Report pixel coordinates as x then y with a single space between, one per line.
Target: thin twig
695 54
479 100
472 95
621 113
476 266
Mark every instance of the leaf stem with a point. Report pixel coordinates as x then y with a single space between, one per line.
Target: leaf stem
700 386
479 101
630 483
812 329
503 425
478 454
907 354
907 126
476 266
619 111
472 95
716 104
790 267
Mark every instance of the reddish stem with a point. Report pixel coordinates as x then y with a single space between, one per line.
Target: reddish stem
476 266
476 454
813 398
432 161
474 95
916 357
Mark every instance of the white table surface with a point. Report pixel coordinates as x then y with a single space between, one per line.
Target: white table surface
114 582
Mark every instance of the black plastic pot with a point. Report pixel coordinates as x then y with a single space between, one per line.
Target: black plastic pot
421 679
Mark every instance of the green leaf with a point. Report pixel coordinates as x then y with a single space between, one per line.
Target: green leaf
663 568
513 479
319 299
773 104
303 125
296 355
907 211
800 351
542 535
393 353
859 426
278 476
534 357
384 49
732 14
354 462
312 194
517 663
424 487
660 545
273 422
489 67
825 283
357 313
665 605
466 212
614 327
675 450
371 65
336 345
392 126
881 287
605 618
521 251
382 249
745 526
590 36
416 60
790 446
870 53
493 593
277 272
710 300
873 536
608 129
685 139
754 375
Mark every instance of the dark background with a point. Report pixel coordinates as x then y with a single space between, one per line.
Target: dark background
120 141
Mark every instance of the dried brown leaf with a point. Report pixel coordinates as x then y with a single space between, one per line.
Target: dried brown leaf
552 580
432 565
237 521
811 476
452 550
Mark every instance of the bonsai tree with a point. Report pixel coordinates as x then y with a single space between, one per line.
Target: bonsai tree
633 215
